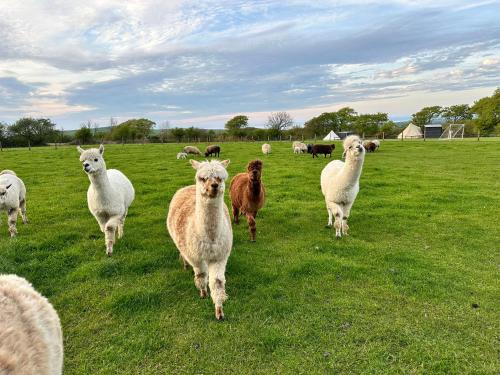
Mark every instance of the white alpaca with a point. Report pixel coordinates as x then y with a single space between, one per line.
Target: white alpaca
109 195
340 183
266 148
30 331
198 222
297 150
12 199
181 155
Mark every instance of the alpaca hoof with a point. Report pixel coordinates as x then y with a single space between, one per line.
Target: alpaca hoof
109 252
203 294
219 314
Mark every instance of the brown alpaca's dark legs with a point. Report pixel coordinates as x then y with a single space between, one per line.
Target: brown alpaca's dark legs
236 214
251 225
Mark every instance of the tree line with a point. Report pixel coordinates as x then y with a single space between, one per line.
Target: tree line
482 117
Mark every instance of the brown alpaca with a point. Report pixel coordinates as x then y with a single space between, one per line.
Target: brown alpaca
248 195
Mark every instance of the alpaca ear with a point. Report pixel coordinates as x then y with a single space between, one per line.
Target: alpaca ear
8 186
101 149
80 150
225 163
195 163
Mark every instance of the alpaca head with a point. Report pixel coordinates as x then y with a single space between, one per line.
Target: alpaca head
3 192
92 159
210 177
353 147
254 169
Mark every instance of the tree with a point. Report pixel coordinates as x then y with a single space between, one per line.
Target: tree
487 111
84 134
457 114
133 129
177 133
425 115
278 122
346 117
236 125
369 124
33 131
323 124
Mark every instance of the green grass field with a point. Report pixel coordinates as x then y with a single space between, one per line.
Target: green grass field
394 297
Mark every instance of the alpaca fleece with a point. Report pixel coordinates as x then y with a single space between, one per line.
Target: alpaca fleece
248 195
198 222
12 199
30 331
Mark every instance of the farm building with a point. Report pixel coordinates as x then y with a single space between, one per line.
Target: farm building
433 130
411 131
345 134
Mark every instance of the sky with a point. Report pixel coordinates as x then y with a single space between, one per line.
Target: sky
199 63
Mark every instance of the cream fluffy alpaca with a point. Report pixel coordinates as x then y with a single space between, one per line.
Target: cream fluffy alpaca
30 331
198 222
12 199
266 148
109 195
340 183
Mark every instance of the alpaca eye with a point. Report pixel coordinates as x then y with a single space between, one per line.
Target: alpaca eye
96 160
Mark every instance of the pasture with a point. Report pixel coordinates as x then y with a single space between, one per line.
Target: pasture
413 289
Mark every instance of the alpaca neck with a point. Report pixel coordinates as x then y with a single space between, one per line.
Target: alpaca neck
208 215
100 182
352 170
254 187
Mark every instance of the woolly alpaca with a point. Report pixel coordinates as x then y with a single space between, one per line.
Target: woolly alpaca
181 155
198 222
266 148
12 199
30 331
109 196
340 183
191 150
248 195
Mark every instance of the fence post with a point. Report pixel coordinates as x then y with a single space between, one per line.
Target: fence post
383 136
425 131
478 132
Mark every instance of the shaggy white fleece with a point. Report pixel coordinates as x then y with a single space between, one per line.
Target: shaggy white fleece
266 148
12 198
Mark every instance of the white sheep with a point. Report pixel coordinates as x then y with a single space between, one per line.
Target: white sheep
191 150
12 199
297 150
376 142
302 146
109 196
198 222
181 155
30 331
266 148
340 183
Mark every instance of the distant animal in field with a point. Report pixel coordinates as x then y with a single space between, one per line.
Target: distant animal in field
302 147
191 150
212 150
200 226
322 149
340 184
109 196
248 195
297 150
309 148
12 199
31 341
370 146
181 155
266 148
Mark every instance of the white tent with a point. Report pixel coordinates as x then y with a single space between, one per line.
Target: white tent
411 131
331 136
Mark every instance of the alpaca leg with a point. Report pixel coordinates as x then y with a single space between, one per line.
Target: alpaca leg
345 217
12 220
236 214
217 282
337 212
22 209
185 263
330 215
109 235
102 223
201 278
251 225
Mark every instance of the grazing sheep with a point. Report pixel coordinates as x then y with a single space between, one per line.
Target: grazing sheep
213 149
31 340
12 199
109 196
340 183
191 150
322 149
266 148
297 150
369 146
181 155
198 222
302 147
377 143
309 148
248 195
